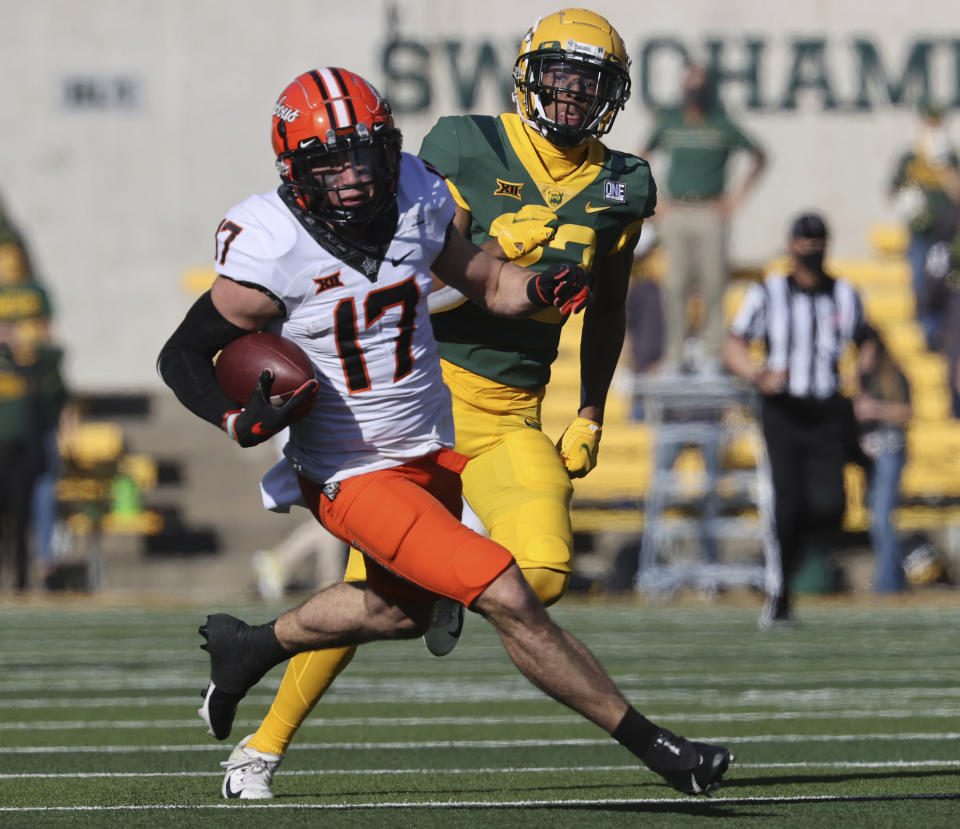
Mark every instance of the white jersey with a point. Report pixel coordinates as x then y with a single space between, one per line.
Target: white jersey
382 400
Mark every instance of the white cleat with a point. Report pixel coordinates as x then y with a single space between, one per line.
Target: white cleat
249 773
445 627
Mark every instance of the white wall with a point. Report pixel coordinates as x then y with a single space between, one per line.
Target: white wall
119 197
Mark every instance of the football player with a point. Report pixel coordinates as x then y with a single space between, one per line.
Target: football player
338 260
536 187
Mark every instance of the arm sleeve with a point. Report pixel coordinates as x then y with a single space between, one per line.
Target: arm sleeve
186 361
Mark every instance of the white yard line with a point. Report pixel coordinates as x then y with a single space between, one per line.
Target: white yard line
490 744
492 804
561 719
838 764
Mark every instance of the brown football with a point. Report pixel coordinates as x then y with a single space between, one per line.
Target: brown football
240 363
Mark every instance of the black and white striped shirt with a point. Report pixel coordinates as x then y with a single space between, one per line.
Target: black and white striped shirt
805 332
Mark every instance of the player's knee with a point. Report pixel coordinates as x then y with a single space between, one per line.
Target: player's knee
509 601
549 585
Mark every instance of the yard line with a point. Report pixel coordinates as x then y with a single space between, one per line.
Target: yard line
493 804
836 764
484 744
559 719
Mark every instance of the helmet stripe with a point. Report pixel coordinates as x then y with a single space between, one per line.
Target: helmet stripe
348 100
323 94
338 93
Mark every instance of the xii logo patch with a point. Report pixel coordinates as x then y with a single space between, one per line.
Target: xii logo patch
509 188
324 283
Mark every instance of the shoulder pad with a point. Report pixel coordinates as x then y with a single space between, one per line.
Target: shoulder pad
267 228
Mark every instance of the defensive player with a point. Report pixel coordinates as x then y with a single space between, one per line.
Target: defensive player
536 187
338 259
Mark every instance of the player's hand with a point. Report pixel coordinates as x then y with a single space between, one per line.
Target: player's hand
579 445
562 286
260 420
519 233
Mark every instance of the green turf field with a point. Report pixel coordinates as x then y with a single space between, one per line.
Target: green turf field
851 719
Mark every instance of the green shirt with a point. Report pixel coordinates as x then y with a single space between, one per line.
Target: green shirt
938 217
493 166
23 301
17 409
698 153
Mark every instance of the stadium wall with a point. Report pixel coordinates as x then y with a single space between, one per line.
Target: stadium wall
129 127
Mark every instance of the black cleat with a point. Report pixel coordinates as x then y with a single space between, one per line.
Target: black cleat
692 768
218 711
230 677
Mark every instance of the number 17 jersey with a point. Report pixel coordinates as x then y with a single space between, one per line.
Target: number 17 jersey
366 329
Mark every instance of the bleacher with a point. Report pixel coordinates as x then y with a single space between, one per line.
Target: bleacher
612 496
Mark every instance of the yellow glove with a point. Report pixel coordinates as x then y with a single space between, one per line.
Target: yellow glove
579 445
519 233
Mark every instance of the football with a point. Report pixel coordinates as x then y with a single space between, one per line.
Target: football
241 362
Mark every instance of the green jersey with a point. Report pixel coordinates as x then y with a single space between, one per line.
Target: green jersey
698 152
495 170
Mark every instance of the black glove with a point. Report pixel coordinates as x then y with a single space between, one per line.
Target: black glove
562 286
260 420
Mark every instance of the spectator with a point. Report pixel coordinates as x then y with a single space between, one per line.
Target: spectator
805 319
943 267
925 189
644 317
882 409
25 306
19 452
693 217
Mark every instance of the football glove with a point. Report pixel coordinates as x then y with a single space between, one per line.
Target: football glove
562 286
519 233
260 420
579 445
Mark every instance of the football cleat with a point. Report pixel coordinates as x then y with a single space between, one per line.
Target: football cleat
692 768
230 675
249 773
445 627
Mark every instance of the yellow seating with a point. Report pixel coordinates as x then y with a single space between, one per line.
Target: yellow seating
889 239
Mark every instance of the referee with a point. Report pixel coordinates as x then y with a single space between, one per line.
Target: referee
805 319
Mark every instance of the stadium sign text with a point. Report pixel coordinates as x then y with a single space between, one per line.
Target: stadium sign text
850 73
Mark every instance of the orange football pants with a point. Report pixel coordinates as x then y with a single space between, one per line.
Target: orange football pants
405 520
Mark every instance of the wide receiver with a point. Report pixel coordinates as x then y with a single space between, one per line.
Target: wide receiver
338 259
536 187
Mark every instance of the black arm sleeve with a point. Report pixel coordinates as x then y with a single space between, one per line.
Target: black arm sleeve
186 360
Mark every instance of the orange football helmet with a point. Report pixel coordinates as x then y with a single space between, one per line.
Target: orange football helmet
327 119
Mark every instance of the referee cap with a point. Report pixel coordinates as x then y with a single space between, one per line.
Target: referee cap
808 226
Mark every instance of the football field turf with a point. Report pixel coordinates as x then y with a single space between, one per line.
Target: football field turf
850 719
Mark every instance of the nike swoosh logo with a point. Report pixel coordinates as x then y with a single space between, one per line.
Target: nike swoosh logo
396 262
531 423
228 789
591 209
258 429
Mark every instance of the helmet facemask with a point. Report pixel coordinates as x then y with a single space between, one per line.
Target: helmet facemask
568 99
350 180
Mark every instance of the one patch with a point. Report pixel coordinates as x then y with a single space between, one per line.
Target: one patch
615 191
